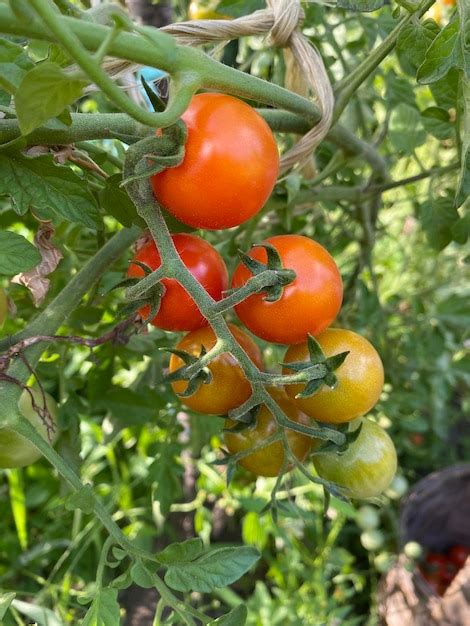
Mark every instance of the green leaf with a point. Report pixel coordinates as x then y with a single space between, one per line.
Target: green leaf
412 43
406 131
446 90
82 499
253 532
44 93
165 475
444 53
17 254
18 505
5 601
131 407
436 121
181 552
438 216
399 90
40 184
218 568
361 5
14 64
39 615
236 617
142 576
237 8
463 185
115 201
104 610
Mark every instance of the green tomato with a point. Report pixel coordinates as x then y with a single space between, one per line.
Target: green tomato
398 487
366 468
367 518
372 539
384 561
3 307
413 550
15 450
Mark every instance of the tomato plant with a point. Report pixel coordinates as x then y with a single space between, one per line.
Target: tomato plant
366 468
228 387
3 307
15 450
230 165
269 460
178 311
307 305
359 383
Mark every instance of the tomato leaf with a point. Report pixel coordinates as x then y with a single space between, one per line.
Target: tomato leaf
14 64
406 130
436 121
165 474
5 602
237 8
361 5
438 217
463 185
40 184
142 576
17 254
444 53
104 609
44 93
82 499
412 43
115 201
236 617
216 569
181 552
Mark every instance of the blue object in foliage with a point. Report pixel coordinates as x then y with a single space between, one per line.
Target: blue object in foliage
150 75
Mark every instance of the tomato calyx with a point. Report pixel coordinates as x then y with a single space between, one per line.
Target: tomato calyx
317 357
197 375
331 446
282 276
138 298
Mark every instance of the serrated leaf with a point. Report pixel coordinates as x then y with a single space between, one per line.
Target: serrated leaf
82 499
183 551
361 5
438 217
413 41
236 617
5 602
14 64
104 610
44 93
406 131
436 121
17 254
165 475
142 576
444 53
218 568
40 184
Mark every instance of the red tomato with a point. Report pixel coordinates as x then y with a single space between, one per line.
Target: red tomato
229 169
308 305
178 311
229 386
268 461
360 378
458 555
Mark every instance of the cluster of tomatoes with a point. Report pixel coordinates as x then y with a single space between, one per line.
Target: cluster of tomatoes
439 569
230 166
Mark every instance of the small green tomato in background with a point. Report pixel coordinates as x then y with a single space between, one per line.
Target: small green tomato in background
3 307
398 487
367 518
413 550
366 468
15 450
372 539
384 561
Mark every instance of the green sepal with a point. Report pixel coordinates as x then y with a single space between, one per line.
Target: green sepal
310 388
335 361
314 349
156 101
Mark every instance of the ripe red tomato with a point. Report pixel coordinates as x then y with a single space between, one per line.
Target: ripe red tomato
229 386
15 450
269 460
458 555
308 305
360 378
178 311
229 169
367 467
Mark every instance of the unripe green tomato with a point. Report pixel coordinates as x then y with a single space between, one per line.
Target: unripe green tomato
367 467
398 487
367 518
15 450
3 307
372 539
413 550
383 561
